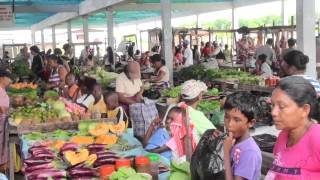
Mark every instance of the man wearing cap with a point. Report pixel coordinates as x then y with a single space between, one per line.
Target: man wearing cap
191 94
5 80
187 55
129 84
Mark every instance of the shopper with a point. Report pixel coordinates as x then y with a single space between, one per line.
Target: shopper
192 91
178 57
206 51
196 55
187 54
161 71
37 62
294 64
262 67
297 148
291 44
98 108
5 80
267 50
58 74
61 61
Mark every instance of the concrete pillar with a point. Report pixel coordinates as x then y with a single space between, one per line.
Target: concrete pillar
235 20
33 37
284 15
42 40
85 29
69 31
306 41
54 44
110 31
167 35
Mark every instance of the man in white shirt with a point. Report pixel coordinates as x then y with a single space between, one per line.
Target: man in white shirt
268 51
187 55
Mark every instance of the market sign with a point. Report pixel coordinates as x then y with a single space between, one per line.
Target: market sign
6 16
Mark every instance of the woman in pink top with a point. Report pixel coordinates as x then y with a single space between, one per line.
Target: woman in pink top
297 150
5 81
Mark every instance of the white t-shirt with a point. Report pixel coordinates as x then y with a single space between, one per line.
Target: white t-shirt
189 58
86 100
266 70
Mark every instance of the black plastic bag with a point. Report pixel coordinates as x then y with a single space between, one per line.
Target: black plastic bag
207 159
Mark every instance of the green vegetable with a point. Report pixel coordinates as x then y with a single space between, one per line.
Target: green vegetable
20 69
207 106
213 92
123 173
172 92
179 176
61 134
51 94
139 176
180 171
35 136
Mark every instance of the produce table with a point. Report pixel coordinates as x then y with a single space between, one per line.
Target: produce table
255 88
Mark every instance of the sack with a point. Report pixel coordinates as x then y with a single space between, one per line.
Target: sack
207 159
141 116
265 142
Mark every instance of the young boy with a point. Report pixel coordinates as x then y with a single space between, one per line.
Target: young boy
98 108
242 156
114 110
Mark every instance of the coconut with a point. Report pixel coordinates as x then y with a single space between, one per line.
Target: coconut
59 105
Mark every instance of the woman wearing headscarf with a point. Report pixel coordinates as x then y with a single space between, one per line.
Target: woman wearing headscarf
192 91
5 80
129 85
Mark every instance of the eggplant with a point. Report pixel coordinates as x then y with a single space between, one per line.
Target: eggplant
79 165
37 167
80 172
69 147
45 156
45 173
107 152
34 149
36 161
83 178
97 146
34 174
107 156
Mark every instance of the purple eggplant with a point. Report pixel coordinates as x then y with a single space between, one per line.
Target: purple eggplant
45 156
45 173
80 172
34 149
83 178
107 156
79 165
36 161
107 152
69 147
37 167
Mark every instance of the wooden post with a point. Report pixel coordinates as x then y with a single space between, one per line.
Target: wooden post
292 25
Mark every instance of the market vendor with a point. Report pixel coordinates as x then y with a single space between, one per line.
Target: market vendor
114 110
58 74
297 149
262 67
98 108
129 85
5 80
192 91
161 71
294 64
71 90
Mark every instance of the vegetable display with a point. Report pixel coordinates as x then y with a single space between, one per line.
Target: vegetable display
172 92
207 106
180 171
127 173
103 77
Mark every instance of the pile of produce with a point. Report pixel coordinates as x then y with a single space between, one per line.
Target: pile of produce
20 69
199 72
127 173
180 171
23 94
207 106
103 77
173 92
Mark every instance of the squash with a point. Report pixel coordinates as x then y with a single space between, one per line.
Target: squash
75 158
100 129
58 144
91 159
82 140
118 128
107 139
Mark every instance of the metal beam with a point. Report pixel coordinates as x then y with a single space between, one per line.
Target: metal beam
55 19
46 8
90 6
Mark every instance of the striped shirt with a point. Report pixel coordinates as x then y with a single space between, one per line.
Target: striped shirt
55 77
314 82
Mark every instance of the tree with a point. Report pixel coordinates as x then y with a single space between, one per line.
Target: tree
257 22
219 24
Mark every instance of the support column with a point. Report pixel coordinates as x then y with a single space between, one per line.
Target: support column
167 35
284 16
110 31
306 41
42 40
54 44
69 31
33 37
85 29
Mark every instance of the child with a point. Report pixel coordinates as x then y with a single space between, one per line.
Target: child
98 108
71 90
262 67
114 110
241 153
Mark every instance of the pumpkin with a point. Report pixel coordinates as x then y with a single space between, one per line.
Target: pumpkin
91 159
75 158
100 129
107 139
58 144
82 140
118 128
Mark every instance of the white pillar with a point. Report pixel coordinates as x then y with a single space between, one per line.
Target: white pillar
54 44
235 20
167 35
110 27
33 37
42 40
69 29
306 41
85 29
284 15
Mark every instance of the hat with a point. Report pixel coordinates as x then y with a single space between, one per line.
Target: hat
134 70
192 89
4 73
155 58
185 42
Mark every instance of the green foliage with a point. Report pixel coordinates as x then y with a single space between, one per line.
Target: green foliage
207 106
219 24
172 92
257 22
20 69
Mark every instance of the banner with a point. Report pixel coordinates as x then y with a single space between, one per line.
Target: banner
6 16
